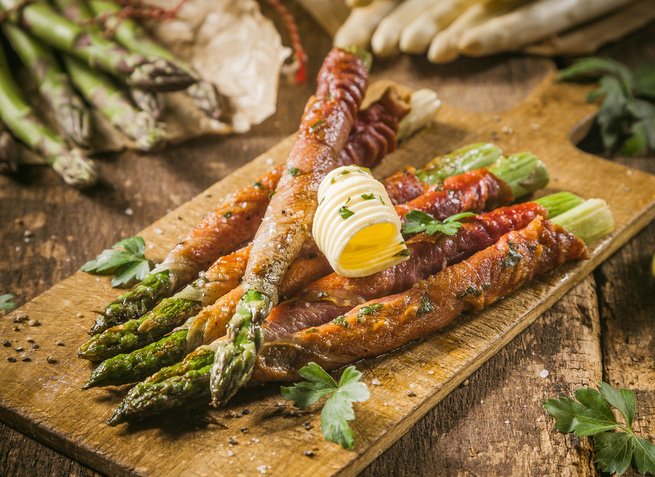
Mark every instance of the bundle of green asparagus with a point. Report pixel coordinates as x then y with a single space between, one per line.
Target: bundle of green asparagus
83 54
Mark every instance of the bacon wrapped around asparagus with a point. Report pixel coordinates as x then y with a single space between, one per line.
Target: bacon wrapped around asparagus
546 242
475 191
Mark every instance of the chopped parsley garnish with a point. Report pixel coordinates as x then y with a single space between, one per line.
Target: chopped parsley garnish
370 309
228 214
341 320
513 256
370 196
425 306
259 185
294 171
403 253
314 127
345 212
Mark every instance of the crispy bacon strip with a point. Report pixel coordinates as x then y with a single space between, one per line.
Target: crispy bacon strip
475 191
386 324
334 295
326 123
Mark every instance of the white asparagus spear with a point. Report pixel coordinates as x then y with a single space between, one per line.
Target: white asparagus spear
587 38
417 35
387 35
361 23
443 47
531 23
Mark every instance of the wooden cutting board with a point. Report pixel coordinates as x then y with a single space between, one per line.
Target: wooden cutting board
46 401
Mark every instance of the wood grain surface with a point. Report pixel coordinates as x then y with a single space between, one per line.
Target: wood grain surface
502 399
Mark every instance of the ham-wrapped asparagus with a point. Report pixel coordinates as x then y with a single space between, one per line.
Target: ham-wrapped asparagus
384 324
475 191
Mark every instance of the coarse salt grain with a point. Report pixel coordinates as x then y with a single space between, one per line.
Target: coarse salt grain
543 373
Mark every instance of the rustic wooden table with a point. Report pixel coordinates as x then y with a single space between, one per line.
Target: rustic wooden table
494 423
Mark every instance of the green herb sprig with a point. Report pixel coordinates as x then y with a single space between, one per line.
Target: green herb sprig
125 260
7 302
338 408
626 118
591 414
417 222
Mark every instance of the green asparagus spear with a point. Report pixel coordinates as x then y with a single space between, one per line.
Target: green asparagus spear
135 302
70 111
187 382
8 152
108 99
134 38
79 12
72 165
464 159
131 367
137 333
41 20
148 101
173 387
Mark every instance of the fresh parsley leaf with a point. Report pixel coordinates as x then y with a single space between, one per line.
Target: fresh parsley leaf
338 408
613 451
615 443
7 302
125 260
345 212
626 118
644 456
417 222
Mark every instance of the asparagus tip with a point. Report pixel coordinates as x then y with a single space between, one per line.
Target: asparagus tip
158 74
75 121
75 168
207 97
147 101
365 56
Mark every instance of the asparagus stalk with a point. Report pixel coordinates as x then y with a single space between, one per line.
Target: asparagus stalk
524 173
108 99
41 20
141 363
188 382
134 334
71 113
78 12
76 169
464 159
134 38
8 152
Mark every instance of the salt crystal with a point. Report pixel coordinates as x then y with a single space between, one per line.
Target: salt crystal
376 382
543 373
129 211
